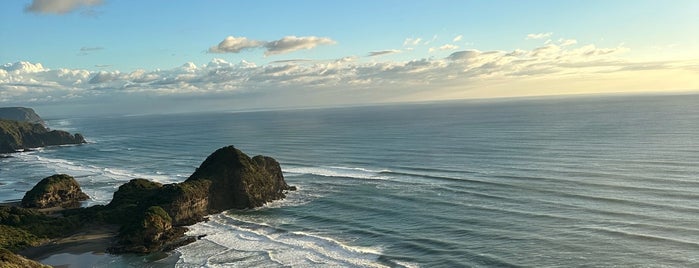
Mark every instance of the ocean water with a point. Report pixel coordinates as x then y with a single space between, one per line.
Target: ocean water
568 182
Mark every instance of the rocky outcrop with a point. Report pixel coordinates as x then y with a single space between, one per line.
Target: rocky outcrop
15 135
59 190
237 181
151 215
21 114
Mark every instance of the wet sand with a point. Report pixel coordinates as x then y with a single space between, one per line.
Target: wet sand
83 249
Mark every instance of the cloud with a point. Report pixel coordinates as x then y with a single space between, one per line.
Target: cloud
567 42
292 43
287 44
444 47
232 44
383 52
458 38
59 6
334 80
539 35
412 41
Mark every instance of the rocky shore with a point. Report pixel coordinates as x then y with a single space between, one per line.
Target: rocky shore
143 216
22 129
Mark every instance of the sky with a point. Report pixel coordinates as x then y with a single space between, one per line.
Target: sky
127 57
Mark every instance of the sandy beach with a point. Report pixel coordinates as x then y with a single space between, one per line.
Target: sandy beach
81 249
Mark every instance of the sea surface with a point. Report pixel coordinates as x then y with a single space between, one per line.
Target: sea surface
565 182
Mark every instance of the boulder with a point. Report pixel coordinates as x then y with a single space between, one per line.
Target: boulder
59 190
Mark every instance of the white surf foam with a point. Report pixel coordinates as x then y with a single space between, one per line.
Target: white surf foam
337 171
98 182
230 240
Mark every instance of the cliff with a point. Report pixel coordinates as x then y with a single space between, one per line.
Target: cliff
15 135
20 114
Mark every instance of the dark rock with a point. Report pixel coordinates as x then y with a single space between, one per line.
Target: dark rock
15 135
151 215
239 182
59 190
21 114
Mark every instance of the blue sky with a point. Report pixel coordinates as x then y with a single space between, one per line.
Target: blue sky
267 54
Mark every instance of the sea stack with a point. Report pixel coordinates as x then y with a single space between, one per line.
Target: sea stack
59 190
152 214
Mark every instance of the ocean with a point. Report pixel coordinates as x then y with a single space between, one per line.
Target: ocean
558 182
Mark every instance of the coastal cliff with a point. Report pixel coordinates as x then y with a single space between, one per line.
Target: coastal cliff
21 114
150 216
16 135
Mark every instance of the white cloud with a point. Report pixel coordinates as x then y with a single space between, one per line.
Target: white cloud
292 43
458 38
59 6
567 42
344 79
443 48
539 35
22 67
232 44
412 41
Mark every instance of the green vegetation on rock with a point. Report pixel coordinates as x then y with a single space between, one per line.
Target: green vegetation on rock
59 190
21 114
150 214
14 238
11 260
15 135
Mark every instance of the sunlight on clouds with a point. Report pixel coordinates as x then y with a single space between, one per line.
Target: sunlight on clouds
287 44
539 35
293 43
232 44
561 67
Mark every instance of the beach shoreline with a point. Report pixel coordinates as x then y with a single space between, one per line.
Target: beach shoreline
82 248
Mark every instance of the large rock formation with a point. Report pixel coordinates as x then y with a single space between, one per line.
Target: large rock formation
59 190
20 114
15 135
237 181
227 179
151 215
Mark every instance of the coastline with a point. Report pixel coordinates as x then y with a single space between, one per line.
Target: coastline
92 239
83 248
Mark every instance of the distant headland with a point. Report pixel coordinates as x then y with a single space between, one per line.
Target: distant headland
22 129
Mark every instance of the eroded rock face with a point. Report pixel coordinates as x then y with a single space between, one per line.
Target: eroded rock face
239 182
59 190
